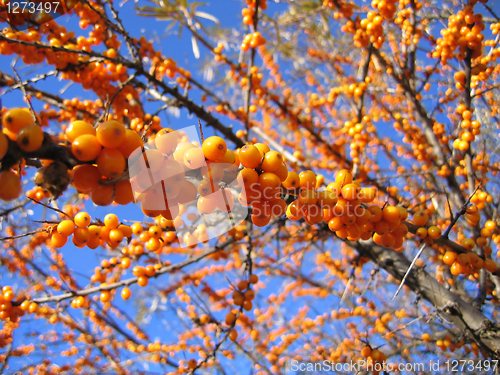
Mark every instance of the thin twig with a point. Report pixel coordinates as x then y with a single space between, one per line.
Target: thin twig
51 208
409 270
23 89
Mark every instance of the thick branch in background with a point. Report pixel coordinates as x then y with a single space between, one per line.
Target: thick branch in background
466 318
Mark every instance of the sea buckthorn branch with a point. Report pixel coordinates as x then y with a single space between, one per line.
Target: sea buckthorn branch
49 98
274 99
461 313
131 44
187 103
110 100
428 130
133 280
48 150
460 213
106 318
6 78
471 180
251 62
12 209
284 108
47 230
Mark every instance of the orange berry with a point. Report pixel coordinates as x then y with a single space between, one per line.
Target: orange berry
192 364
391 214
143 281
82 219
78 128
85 177
66 228
194 158
214 148
434 232
263 148
58 240
307 179
10 185
229 158
166 140
125 263
131 143
272 161
155 231
180 151
230 318
33 307
468 243
102 195
111 134
111 162
247 177
105 296
123 194
343 177
111 221
420 218
366 351
490 225
308 196
426 337
335 224
421 233
30 138
350 191
490 265
233 335
126 293
367 195
269 185
250 156
292 180
86 147
282 172
206 205
278 206
16 119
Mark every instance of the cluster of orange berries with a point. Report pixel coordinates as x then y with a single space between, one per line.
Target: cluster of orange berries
244 295
446 343
360 136
342 206
371 29
343 9
467 263
253 40
11 312
420 218
6 309
464 263
91 235
463 32
373 355
262 176
19 126
108 146
249 12
386 8
470 127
